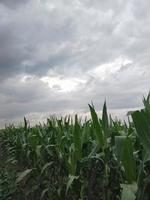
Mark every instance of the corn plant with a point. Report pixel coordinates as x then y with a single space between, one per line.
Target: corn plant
66 158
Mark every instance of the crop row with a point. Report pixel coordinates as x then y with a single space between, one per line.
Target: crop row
98 159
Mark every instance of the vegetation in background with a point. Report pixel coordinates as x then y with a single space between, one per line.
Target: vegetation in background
65 159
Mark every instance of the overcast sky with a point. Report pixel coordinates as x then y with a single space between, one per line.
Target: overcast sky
58 55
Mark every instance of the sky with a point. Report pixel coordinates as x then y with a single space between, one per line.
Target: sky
56 56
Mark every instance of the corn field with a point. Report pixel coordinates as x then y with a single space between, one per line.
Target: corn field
68 159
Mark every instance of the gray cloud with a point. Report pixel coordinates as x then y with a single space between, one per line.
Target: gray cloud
13 3
11 53
70 39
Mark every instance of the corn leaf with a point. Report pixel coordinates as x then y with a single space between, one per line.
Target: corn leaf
105 122
97 127
127 192
77 139
23 175
143 129
129 161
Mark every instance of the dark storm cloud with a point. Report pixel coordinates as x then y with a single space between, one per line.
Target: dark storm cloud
31 41
60 37
13 3
11 53
72 39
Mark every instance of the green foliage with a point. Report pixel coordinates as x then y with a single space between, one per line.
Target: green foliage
128 193
23 175
98 159
7 186
97 127
141 121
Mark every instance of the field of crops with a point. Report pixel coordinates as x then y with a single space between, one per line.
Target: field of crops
68 159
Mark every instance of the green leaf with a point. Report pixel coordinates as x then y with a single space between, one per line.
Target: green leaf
129 161
23 175
143 128
77 139
119 142
105 122
38 150
127 193
125 151
97 127
70 181
25 123
46 166
44 193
